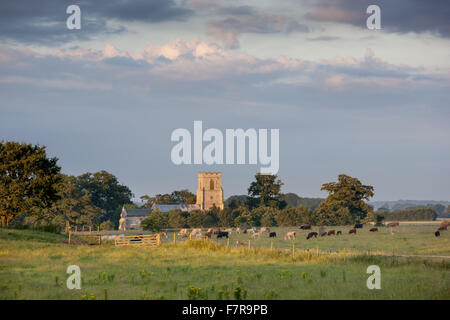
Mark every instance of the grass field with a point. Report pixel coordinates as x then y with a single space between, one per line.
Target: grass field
33 266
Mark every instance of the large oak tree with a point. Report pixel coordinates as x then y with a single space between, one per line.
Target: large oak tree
28 179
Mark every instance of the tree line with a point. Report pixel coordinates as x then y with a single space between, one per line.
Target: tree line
34 192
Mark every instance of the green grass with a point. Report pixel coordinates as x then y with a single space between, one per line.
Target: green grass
409 239
33 266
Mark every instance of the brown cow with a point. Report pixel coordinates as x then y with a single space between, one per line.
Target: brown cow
393 224
373 230
331 232
323 234
208 234
352 231
442 228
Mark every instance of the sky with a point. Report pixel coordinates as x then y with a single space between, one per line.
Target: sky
373 104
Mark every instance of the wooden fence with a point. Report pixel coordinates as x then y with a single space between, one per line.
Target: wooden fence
138 240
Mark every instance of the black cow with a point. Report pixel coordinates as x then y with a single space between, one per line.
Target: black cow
305 227
311 234
339 232
222 234
437 233
272 235
358 225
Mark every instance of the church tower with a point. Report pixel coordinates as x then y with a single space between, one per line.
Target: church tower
209 190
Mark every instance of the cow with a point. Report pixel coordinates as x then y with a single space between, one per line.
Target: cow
229 230
305 227
196 233
442 228
289 235
251 230
208 235
183 232
331 232
238 230
352 231
393 224
239 243
163 234
272 235
445 223
256 235
264 229
222 234
358 226
373 230
437 233
311 234
216 230
339 232
323 234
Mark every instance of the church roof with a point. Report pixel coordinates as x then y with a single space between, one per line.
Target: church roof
182 207
138 212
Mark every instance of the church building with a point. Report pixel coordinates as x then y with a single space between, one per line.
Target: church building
209 194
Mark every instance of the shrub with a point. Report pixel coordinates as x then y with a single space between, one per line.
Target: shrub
107 225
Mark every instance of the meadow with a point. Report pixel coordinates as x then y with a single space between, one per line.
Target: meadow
33 266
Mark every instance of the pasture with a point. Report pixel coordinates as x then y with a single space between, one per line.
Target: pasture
33 266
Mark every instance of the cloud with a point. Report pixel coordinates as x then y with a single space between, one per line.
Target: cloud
400 16
197 61
44 22
245 19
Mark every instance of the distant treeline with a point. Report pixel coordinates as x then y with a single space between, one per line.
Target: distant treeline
411 214
292 200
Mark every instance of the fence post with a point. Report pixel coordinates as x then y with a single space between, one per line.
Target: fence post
345 253
271 245
248 245
174 238
228 243
70 234
293 251
98 228
190 236
317 250
158 239
90 229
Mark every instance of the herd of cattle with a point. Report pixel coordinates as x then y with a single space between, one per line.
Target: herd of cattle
197 233
255 234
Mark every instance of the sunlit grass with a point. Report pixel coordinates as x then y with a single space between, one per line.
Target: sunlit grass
207 270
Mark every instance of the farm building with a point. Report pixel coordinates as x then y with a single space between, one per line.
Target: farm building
132 218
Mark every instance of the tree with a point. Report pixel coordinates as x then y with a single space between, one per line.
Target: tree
28 179
196 218
183 196
265 191
74 206
268 215
106 193
176 219
345 202
155 222
180 196
107 225
226 217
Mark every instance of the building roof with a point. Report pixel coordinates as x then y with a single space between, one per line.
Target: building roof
138 212
182 207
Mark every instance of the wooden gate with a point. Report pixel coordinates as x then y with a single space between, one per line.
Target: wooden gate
138 240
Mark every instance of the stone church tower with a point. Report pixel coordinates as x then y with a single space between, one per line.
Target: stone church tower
209 190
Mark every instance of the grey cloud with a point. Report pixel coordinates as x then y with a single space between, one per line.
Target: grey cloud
396 16
44 22
245 19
